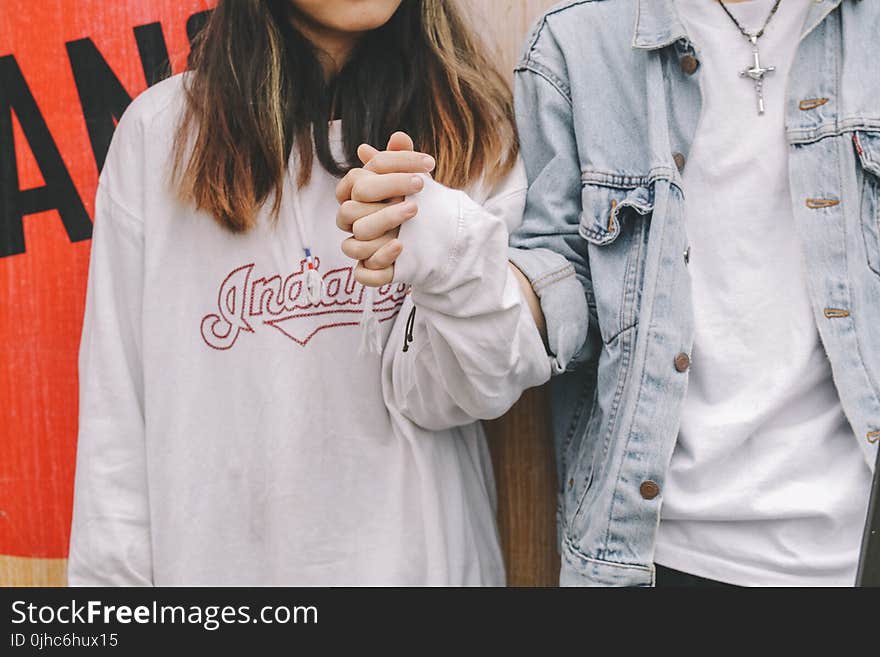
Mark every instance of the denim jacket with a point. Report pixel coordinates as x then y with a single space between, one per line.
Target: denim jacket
608 99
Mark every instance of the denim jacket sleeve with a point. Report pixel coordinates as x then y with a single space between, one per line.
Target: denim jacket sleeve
547 247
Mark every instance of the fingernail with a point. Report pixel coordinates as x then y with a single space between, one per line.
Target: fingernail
409 209
417 182
429 162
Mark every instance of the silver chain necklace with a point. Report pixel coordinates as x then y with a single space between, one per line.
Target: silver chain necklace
755 72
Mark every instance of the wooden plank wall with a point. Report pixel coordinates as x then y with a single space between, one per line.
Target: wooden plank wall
520 442
506 23
521 445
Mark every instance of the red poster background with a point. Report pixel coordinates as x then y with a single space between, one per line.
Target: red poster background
43 289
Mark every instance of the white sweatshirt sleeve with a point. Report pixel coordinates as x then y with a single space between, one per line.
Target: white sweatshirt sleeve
474 345
110 534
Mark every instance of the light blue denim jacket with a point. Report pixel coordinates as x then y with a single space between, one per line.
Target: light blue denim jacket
608 99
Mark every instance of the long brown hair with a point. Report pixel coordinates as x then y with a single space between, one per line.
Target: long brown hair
257 88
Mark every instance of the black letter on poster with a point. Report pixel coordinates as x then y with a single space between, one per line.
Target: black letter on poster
195 24
101 94
153 52
59 191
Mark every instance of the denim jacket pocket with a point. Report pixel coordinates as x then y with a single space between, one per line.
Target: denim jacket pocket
605 207
614 222
868 149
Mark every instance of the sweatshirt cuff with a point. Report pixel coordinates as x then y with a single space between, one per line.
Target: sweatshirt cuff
563 302
431 237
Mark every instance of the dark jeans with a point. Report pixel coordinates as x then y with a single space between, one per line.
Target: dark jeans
666 577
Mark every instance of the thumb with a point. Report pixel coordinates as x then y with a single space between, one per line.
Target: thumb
366 153
400 141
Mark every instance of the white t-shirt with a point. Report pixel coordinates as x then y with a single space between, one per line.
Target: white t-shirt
767 485
231 433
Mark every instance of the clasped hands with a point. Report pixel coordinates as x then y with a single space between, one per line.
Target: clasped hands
373 206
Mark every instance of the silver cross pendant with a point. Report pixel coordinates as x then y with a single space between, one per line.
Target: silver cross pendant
756 73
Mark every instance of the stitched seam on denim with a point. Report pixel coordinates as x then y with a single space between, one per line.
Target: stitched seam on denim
592 319
582 403
591 476
864 209
870 170
840 171
622 331
632 266
643 378
828 9
638 274
635 38
627 339
645 45
624 293
613 411
625 180
542 71
624 375
809 279
556 272
588 482
552 282
536 36
539 28
553 277
618 564
865 371
811 135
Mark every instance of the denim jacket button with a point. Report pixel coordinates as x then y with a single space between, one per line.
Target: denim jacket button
689 64
649 489
680 160
682 362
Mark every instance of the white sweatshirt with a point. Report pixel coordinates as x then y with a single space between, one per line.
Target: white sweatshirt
230 432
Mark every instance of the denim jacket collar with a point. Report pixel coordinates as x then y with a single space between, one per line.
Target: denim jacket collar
818 12
658 24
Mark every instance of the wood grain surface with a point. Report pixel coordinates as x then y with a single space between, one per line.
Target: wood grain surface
23 571
520 442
